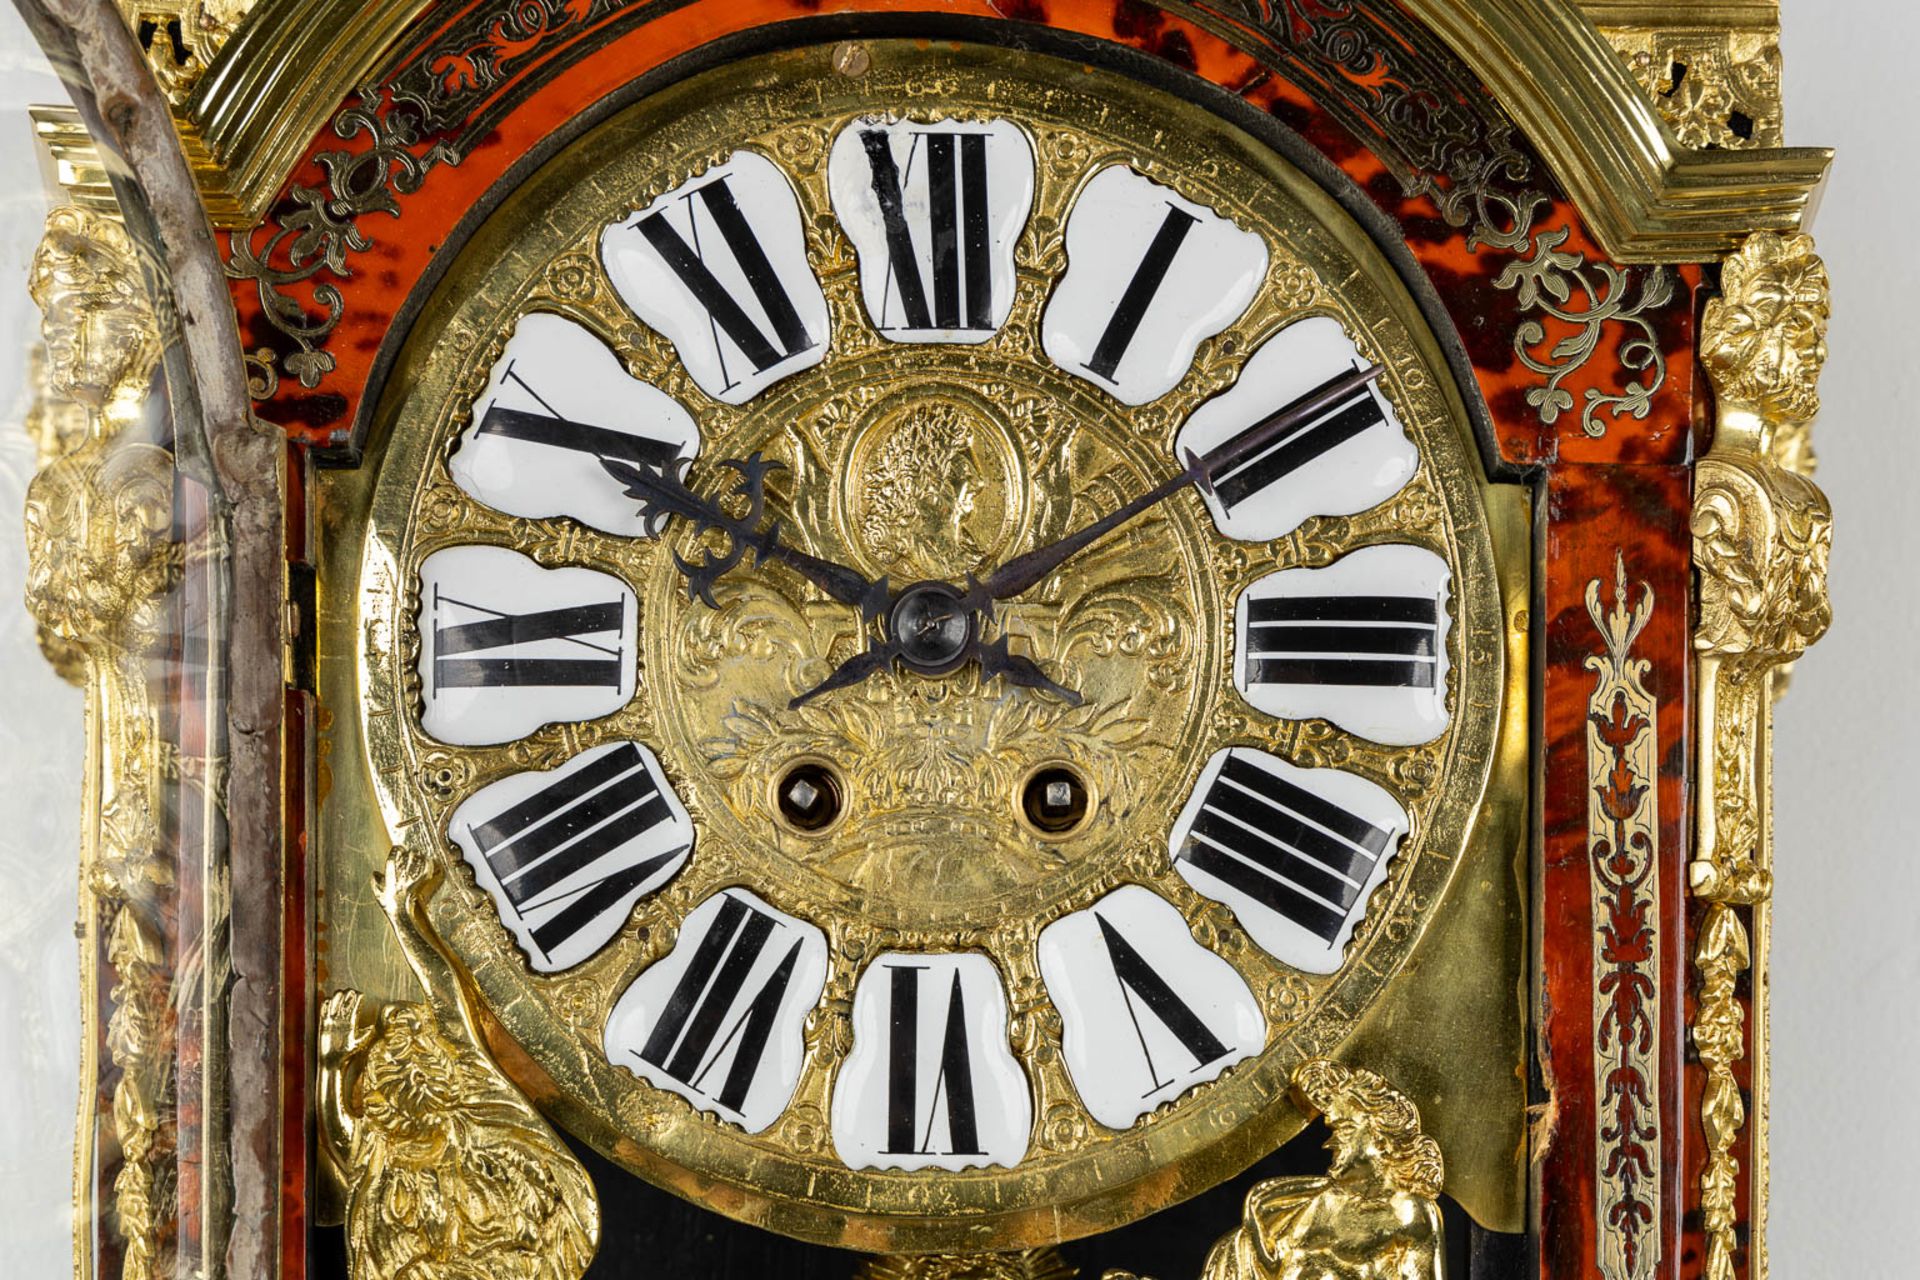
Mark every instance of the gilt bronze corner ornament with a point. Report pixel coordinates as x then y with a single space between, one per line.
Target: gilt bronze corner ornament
448 1171
1374 1215
1761 535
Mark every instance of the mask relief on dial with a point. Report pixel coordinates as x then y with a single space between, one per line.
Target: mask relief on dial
1352 455
1150 276
1146 1012
1293 852
935 211
566 853
507 646
721 1019
931 1082
1362 642
557 402
719 266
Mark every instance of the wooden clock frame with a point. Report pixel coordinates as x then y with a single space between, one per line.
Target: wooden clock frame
1589 201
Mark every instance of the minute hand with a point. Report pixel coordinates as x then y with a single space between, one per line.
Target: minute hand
672 497
1024 572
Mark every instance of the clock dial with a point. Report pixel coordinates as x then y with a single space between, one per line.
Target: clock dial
935 211
1362 642
949 650
719 266
507 646
556 403
930 1082
1150 275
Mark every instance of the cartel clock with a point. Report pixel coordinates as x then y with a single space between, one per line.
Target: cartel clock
975 633
944 622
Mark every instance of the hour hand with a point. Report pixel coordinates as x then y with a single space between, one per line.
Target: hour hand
668 495
1015 669
867 662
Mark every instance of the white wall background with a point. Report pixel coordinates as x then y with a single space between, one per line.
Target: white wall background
1846 961
40 747
1846 1122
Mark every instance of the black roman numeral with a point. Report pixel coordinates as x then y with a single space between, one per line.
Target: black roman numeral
790 336
1140 980
694 1031
551 428
953 1080
1334 425
1375 641
579 821
1286 848
1140 291
959 230
499 630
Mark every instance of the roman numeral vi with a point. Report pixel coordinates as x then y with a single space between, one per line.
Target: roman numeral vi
907 1132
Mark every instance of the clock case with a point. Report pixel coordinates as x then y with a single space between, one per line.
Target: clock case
1589 203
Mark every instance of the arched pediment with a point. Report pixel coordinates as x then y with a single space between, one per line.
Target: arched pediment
1647 197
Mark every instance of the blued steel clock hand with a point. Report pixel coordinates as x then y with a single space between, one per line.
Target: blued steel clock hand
665 494
994 658
868 661
1027 571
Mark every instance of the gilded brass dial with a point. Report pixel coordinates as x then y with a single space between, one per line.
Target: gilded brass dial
928 461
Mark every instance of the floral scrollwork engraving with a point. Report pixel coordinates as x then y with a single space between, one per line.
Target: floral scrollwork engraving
285 256
1761 534
1438 133
1546 281
1623 756
450 1173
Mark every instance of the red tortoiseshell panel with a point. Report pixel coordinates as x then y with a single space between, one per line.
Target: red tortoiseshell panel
1596 514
